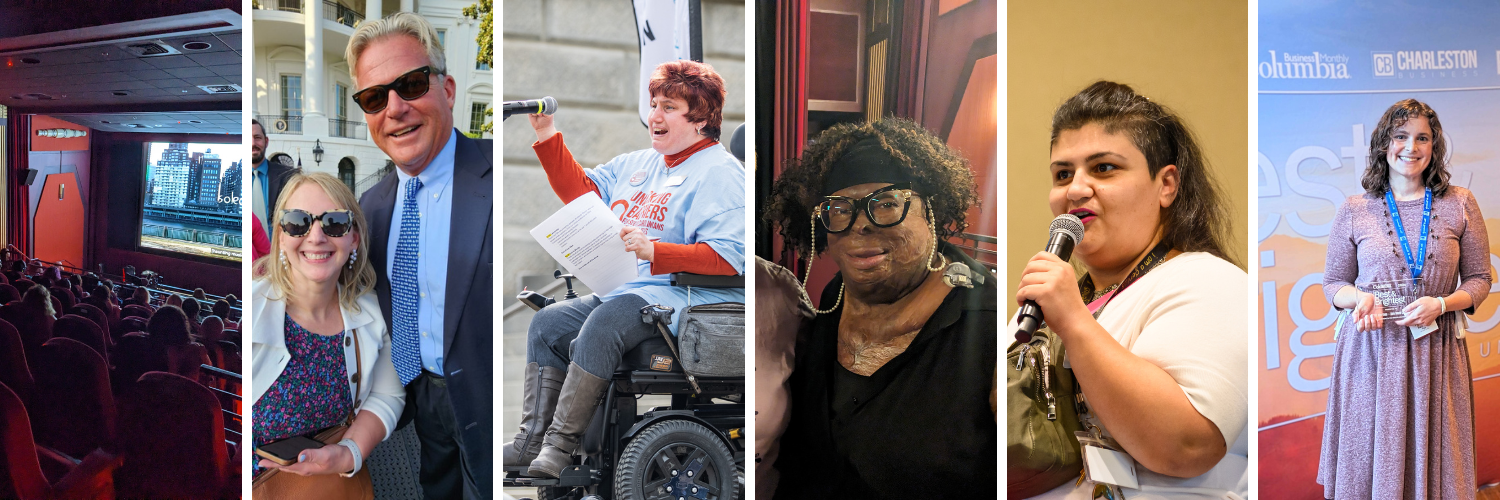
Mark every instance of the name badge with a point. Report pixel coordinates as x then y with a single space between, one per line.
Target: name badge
676 180
1110 467
639 177
1418 332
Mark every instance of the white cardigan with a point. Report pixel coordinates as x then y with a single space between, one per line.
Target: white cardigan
380 394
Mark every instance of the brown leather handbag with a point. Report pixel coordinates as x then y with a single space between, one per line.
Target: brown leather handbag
276 484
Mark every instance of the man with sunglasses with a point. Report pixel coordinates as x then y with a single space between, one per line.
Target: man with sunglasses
431 246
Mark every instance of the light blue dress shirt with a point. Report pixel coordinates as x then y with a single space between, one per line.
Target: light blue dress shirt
262 176
435 204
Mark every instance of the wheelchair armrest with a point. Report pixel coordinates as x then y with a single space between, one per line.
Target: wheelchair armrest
708 281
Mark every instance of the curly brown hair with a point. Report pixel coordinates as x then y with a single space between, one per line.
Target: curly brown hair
1377 177
942 176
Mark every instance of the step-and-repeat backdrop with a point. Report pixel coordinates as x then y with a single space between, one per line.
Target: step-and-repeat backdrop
1327 71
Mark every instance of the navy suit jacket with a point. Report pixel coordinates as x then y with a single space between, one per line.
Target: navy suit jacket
468 314
276 177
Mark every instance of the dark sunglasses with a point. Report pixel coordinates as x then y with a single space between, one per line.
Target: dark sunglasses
409 86
885 207
336 223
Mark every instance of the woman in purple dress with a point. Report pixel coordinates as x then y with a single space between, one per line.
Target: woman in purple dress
1400 421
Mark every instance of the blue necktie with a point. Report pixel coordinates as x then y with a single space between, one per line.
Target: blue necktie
406 353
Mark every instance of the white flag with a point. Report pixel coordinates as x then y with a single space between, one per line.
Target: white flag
668 30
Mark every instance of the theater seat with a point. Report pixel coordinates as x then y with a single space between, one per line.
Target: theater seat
135 311
14 371
171 440
74 410
135 355
34 326
83 330
62 295
22 462
131 324
93 313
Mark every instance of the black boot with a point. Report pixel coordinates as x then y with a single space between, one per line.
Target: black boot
575 407
537 406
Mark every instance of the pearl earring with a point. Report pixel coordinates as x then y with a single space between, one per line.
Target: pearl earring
284 262
353 256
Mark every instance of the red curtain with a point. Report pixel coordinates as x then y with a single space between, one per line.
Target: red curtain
789 121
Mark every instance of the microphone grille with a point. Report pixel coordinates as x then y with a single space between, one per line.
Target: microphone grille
549 105
1070 224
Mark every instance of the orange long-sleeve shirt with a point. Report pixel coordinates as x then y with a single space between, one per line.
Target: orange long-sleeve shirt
569 182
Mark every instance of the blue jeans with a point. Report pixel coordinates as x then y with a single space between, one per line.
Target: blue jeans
604 332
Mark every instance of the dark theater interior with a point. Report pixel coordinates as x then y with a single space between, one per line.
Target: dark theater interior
120 160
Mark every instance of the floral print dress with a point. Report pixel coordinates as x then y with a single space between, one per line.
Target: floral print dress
312 392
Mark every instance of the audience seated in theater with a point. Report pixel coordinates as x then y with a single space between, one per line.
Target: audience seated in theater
174 300
141 297
221 309
169 327
209 335
32 316
199 294
190 307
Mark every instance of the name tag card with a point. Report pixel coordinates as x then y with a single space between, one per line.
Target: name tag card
1110 467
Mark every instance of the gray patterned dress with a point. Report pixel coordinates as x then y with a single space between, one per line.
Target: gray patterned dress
1400 420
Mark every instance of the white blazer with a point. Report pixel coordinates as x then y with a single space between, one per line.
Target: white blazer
380 394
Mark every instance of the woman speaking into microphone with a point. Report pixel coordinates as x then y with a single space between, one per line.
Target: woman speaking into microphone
684 211
1155 329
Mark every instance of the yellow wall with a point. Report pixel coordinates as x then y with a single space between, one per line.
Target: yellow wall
1190 56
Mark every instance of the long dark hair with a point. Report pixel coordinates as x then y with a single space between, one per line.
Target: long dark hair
1197 221
1377 178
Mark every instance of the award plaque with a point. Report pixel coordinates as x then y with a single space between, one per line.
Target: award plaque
1394 295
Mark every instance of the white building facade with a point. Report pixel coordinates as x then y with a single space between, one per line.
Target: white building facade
171 176
302 84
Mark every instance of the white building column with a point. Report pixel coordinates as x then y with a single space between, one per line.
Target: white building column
372 10
314 93
406 6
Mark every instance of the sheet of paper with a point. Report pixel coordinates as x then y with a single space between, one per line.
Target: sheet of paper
1110 466
585 237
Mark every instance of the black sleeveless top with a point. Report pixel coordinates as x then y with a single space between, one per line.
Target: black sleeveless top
919 427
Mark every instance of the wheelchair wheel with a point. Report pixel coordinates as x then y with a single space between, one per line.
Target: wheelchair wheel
674 459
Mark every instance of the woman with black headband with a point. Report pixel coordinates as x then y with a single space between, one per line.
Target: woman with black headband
893 394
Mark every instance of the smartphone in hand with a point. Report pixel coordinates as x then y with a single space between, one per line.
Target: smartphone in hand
285 451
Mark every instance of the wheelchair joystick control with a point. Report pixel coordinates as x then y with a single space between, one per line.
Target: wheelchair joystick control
558 274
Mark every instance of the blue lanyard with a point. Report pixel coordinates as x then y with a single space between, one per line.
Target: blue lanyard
1415 265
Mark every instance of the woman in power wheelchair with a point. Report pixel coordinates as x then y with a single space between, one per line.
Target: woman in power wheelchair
683 205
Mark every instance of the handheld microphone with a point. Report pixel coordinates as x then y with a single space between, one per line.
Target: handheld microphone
1067 231
544 106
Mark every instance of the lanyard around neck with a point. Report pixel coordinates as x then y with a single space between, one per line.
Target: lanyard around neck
1417 262
1153 259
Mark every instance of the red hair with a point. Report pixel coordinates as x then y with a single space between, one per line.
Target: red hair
696 83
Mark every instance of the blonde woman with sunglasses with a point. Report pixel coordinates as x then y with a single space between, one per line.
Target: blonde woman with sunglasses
319 347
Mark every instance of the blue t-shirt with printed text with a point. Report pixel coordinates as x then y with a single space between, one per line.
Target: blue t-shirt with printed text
701 200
